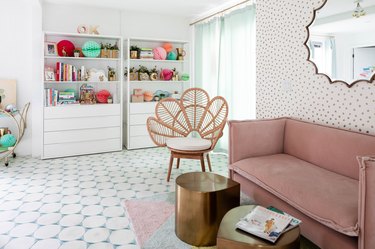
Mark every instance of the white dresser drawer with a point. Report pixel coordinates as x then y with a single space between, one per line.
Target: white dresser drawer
138 130
56 137
138 119
81 123
81 148
140 142
145 107
73 111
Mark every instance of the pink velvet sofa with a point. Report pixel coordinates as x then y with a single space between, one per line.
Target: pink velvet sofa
322 175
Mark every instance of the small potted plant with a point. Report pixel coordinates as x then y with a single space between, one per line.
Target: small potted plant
115 50
143 73
133 74
76 52
154 74
104 52
111 74
134 52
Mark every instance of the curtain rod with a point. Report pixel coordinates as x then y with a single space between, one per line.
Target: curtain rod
219 12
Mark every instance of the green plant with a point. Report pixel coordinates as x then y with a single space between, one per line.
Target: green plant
154 70
134 48
77 51
143 69
115 46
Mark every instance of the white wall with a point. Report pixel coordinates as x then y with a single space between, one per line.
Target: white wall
112 22
20 50
344 47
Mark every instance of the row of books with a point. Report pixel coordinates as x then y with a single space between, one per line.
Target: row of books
67 72
267 223
55 97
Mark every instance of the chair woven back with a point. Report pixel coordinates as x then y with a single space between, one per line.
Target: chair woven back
194 112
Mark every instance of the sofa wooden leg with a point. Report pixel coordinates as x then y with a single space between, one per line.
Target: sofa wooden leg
209 162
178 163
170 167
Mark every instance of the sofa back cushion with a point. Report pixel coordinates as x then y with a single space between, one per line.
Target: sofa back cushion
330 148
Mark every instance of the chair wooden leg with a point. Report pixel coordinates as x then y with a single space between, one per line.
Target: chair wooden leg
170 167
202 164
178 163
209 162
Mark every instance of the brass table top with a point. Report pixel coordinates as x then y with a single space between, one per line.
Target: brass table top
229 237
204 182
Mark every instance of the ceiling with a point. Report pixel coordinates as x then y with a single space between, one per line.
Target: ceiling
336 17
183 8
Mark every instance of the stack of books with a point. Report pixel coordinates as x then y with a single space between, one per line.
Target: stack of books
267 223
146 53
66 72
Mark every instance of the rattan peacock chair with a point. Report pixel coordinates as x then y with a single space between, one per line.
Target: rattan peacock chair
189 127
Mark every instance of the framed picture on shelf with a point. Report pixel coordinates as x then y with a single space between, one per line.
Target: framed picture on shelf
50 48
49 74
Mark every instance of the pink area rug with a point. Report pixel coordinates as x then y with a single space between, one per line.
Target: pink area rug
147 216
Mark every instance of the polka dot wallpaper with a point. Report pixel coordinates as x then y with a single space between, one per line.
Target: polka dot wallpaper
286 82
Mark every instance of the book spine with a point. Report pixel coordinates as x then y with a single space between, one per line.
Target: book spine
57 71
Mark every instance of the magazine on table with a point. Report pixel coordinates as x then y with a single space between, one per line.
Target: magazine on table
264 223
293 223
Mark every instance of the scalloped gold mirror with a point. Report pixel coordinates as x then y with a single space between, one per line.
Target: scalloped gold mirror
341 41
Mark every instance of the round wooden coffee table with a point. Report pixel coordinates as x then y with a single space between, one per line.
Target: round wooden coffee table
202 199
229 237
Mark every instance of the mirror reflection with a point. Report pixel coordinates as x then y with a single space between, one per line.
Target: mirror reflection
342 40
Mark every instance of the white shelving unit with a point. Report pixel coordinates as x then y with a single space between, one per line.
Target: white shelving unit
136 114
77 129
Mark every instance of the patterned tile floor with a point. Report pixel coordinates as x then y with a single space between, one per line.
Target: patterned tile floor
77 202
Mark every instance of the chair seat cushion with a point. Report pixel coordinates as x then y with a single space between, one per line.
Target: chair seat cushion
188 143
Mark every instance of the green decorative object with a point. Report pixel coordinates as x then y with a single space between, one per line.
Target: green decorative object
185 77
8 140
91 49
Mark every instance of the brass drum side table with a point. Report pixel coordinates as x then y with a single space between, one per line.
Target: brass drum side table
229 237
202 200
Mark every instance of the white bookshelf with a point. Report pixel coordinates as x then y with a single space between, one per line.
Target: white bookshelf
136 114
78 129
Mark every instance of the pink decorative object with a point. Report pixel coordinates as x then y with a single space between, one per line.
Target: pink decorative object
102 96
166 74
159 53
148 96
168 47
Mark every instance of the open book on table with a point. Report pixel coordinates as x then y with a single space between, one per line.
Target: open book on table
264 223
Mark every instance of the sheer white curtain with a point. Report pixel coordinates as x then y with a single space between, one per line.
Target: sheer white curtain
225 62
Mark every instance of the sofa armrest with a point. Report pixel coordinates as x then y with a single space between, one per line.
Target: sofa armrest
366 210
252 138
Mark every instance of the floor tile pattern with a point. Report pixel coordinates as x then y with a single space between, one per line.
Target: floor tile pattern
77 202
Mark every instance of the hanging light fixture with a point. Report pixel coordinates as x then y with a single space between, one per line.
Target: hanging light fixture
358 11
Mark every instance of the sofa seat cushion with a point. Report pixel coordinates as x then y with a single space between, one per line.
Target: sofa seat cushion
325 196
188 143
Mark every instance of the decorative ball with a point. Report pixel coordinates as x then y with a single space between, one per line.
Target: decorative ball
91 49
166 74
159 53
148 96
168 47
185 77
65 48
10 108
172 56
102 96
8 140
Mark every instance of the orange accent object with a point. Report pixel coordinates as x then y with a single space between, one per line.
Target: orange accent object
168 47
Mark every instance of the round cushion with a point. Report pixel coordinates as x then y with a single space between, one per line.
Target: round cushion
188 143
